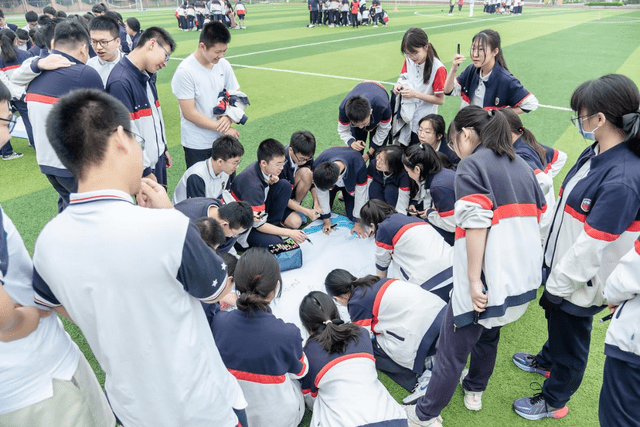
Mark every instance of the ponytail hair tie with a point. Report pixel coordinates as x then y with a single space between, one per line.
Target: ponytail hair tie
422 147
337 322
326 322
631 125
491 113
521 129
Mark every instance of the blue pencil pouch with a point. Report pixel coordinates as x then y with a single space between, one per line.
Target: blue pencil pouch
288 254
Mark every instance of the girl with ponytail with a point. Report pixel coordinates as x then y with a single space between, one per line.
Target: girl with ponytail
487 82
435 185
342 386
595 223
10 58
421 81
420 255
263 352
496 266
405 320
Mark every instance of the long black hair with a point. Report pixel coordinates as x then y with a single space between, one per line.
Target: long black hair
7 37
616 96
491 127
415 38
424 157
320 317
257 275
374 212
393 158
525 134
490 38
340 282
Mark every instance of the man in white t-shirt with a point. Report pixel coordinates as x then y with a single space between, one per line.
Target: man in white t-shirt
196 83
105 40
133 279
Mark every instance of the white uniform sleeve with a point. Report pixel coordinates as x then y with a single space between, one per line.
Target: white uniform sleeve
323 198
447 223
345 133
381 133
557 166
403 201
624 282
383 256
361 197
24 75
529 103
457 89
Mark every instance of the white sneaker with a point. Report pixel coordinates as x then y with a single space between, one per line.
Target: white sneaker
414 421
472 399
375 25
420 389
12 156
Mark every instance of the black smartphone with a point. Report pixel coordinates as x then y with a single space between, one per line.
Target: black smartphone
458 48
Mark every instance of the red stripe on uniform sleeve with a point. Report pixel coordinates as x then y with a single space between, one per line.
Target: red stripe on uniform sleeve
446 214
145 112
438 80
555 159
460 233
515 210
479 199
343 123
257 378
378 301
404 67
157 103
304 365
520 102
404 188
11 67
43 99
599 235
636 245
258 208
404 229
577 215
364 322
334 362
635 226
383 245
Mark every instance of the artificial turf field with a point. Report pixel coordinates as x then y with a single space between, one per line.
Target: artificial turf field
296 77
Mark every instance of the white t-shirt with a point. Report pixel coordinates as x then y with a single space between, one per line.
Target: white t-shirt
29 365
103 67
193 81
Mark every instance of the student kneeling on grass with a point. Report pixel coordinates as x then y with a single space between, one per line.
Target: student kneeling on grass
404 319
132 278
259 185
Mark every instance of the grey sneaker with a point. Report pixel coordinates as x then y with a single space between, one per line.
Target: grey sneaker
528 363
12 156
420 389
414 421
536 408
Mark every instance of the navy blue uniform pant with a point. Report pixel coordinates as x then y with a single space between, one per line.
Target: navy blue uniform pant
275 207
620 395
64 186
349 200
387 193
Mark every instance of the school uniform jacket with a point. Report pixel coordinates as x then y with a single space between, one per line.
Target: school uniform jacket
290 167
545 181
42 93
198 207
265 355
404 318
7 69
502 195
420 254
201 181
555 160
596 221
441 188
251 186
354 178
623 289
400 180
502 89
380 117
344 390
137 90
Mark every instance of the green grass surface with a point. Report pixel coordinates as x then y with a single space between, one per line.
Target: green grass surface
551 50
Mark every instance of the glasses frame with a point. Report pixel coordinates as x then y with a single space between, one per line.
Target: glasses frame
298 160
138 138
168 55
577 120
102 43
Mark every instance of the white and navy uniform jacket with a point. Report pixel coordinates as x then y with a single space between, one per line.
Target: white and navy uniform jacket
503 196
200 180
500 89
545 180
104 68
137 90
198 207
149 300
441 189
596 221
291 168
251 186
404 318
623 289
124 45
216 7
400 180
412 76
265 355
353 178
419 253
555 160
344 390
240 9
7 69
29 365
42 93
380 117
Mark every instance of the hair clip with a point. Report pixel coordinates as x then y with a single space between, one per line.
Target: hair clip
521 129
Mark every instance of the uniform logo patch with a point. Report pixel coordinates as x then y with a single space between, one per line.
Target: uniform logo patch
497 101
585 205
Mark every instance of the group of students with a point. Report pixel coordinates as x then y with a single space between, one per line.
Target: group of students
192 16
454 210
337 13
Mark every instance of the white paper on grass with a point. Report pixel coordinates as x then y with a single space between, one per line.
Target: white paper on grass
19 131
340 249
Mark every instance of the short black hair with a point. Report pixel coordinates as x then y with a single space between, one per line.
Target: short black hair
357 109
158 33
104 23
214 32
226 147
113 15
79 125
5 94
88 16
211 231
237 214
48 32
31 16
134 24
43 20
303 142
71 34
22 34
231 262
270 148
1 13
99 8
326 175
37 37
50 10
61 14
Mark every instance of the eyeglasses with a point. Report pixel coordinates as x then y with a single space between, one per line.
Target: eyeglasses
138 138
101 43
476 51
13 120
235 164
168 57
577 120
301 160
